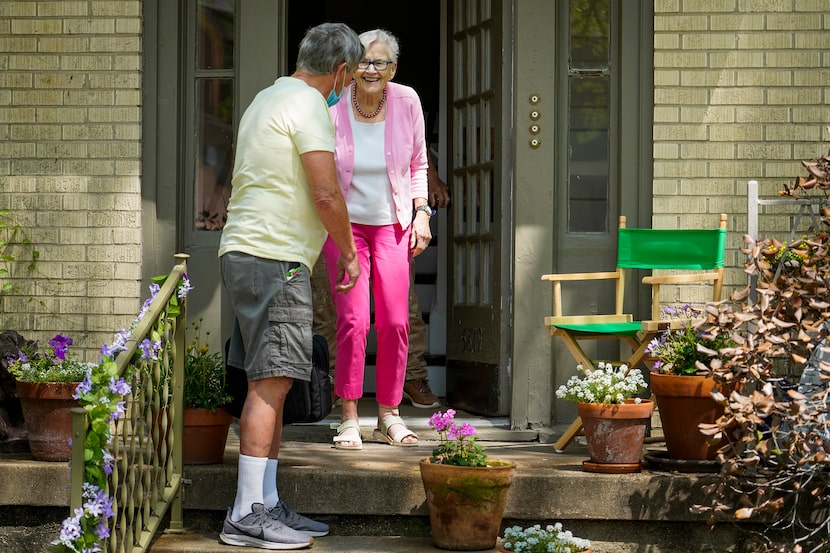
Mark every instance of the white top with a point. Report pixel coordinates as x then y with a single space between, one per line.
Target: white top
370 199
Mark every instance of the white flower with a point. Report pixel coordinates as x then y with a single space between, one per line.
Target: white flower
612 384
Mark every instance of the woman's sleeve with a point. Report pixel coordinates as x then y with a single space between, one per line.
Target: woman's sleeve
419 163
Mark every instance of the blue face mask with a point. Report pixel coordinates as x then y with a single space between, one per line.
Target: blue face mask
333 98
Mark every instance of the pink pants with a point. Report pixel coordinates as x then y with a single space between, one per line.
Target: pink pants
383 252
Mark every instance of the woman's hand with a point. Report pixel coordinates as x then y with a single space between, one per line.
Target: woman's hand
421 235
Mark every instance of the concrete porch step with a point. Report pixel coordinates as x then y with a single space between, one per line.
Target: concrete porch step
208 543
374 500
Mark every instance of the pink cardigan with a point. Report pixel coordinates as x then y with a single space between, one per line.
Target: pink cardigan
404 142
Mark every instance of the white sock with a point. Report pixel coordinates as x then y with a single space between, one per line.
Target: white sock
270 495
248 485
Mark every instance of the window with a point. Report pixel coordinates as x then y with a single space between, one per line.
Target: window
589 112
214 75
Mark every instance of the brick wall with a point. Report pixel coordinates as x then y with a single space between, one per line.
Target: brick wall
741 93
70 138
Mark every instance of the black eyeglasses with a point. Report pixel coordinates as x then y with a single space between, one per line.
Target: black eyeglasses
380 65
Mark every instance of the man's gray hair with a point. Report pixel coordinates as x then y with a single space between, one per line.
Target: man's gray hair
384 38
326 46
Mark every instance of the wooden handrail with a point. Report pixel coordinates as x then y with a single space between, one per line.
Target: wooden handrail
146 442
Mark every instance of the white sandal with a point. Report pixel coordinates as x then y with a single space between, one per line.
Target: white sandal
347 431
397 437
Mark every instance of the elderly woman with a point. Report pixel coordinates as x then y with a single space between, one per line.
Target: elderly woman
381 158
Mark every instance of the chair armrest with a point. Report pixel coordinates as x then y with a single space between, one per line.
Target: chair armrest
556 280
681 279
668 324
557 277
716 277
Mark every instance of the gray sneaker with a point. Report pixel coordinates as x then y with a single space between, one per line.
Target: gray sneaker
259 530
288 516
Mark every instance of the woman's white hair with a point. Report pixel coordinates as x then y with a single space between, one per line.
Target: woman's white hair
383 37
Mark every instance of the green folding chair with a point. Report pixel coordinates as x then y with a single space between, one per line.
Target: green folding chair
697 255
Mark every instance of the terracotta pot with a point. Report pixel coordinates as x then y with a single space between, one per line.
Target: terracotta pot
47 412
205 434
466 504
683 403
615 434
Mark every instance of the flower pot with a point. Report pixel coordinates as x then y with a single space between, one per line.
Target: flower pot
47 413
615 434
205 434
466 504
683 403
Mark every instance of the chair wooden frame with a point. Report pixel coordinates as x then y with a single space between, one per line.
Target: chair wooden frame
706 251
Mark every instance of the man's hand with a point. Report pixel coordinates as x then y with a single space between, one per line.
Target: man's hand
439 195
346 268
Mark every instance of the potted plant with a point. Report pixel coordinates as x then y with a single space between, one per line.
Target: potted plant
206 421
466 492
614 420
46 382
535 539
682 384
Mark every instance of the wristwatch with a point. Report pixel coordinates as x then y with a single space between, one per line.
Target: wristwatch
426 209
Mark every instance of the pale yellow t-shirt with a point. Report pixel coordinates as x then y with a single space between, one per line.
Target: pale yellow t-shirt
271 213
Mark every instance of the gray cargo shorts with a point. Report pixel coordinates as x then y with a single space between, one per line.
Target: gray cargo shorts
272 304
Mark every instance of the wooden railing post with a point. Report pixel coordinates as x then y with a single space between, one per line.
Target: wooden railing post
76 477
180 347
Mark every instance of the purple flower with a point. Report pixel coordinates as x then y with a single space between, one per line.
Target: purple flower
71 529
60 344
22 356
107 503
120 409
458 442
150 349
118 345
84 387
184 287
144 308
107 351
98 504
120 386
108 461
467 430
436 422
441 421
102 530
94 508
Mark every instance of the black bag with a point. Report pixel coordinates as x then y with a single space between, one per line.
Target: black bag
306 401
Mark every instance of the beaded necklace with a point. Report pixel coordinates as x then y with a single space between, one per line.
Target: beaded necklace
360 111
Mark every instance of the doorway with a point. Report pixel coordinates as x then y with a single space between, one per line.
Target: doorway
419 36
